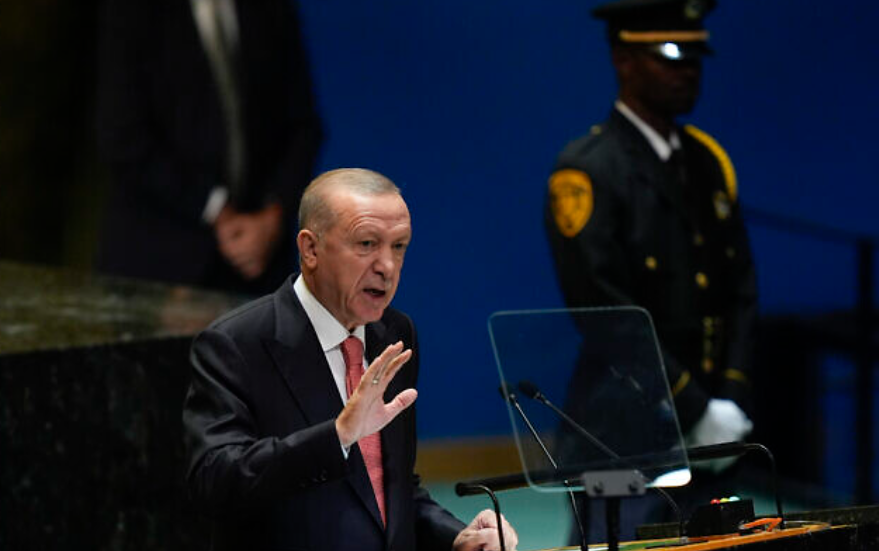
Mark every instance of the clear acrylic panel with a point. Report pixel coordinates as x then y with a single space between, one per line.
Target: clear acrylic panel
603 369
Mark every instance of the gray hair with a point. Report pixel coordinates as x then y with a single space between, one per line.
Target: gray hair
315 213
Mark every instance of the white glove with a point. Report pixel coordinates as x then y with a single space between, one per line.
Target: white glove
723 421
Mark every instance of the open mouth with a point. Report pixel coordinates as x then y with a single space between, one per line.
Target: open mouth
375 293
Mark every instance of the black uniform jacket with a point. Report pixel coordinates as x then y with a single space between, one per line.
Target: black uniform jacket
264 456
627 228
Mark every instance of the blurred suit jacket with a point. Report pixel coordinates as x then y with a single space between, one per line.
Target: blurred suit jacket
162 132
264 456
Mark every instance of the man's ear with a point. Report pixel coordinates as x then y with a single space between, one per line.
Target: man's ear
306 241
622 58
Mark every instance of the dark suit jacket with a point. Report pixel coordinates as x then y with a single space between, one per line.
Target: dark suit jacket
161 130
264 456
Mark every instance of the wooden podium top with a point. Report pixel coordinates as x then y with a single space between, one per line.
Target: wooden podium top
809 537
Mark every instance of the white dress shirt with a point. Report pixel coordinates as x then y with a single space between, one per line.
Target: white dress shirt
660 145
330 333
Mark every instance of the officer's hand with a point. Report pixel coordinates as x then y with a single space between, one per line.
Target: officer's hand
723 421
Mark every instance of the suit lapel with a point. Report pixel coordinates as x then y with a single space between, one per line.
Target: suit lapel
299 358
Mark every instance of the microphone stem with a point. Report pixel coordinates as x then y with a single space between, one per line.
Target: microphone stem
534 432
583 545
571 423
765 450
497 511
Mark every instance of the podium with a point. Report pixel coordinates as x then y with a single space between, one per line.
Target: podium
615 433
93 372
845 529
615 425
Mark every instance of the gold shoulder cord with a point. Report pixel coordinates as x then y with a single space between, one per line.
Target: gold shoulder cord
729 173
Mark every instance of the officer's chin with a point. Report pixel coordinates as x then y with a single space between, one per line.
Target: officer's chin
684 106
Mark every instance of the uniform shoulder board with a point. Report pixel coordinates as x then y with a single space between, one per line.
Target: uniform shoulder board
576 149
726 166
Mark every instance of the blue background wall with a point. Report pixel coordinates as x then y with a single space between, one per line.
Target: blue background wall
465 105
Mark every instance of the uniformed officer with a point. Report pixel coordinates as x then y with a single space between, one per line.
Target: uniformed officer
644 211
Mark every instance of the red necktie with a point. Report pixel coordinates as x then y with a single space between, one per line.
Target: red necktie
370 446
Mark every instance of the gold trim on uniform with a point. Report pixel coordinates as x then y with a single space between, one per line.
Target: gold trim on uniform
650 262
701 280
664 36
682 382
571 200
735 375
726 166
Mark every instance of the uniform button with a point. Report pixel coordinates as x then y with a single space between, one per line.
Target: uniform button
650 262
708 325
698 239
707 365
730 252
701 280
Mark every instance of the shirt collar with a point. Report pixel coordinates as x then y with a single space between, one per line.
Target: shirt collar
660 145
329 331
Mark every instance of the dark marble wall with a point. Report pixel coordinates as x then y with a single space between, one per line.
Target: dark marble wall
92 377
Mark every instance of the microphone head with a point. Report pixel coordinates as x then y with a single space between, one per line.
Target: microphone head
529 389
506 391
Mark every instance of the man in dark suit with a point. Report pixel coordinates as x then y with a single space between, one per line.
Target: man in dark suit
643 211
207 123
292 445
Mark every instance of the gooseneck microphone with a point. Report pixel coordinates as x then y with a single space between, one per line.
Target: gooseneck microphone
507 393
510 396
531 390
730 449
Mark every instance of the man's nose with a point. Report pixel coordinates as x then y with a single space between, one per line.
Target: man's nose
691 67
385 262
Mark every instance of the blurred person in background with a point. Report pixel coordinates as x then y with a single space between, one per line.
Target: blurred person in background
206 120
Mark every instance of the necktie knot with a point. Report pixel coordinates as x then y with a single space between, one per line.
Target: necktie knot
352 352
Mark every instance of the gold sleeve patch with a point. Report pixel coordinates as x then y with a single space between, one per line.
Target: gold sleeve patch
571 200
